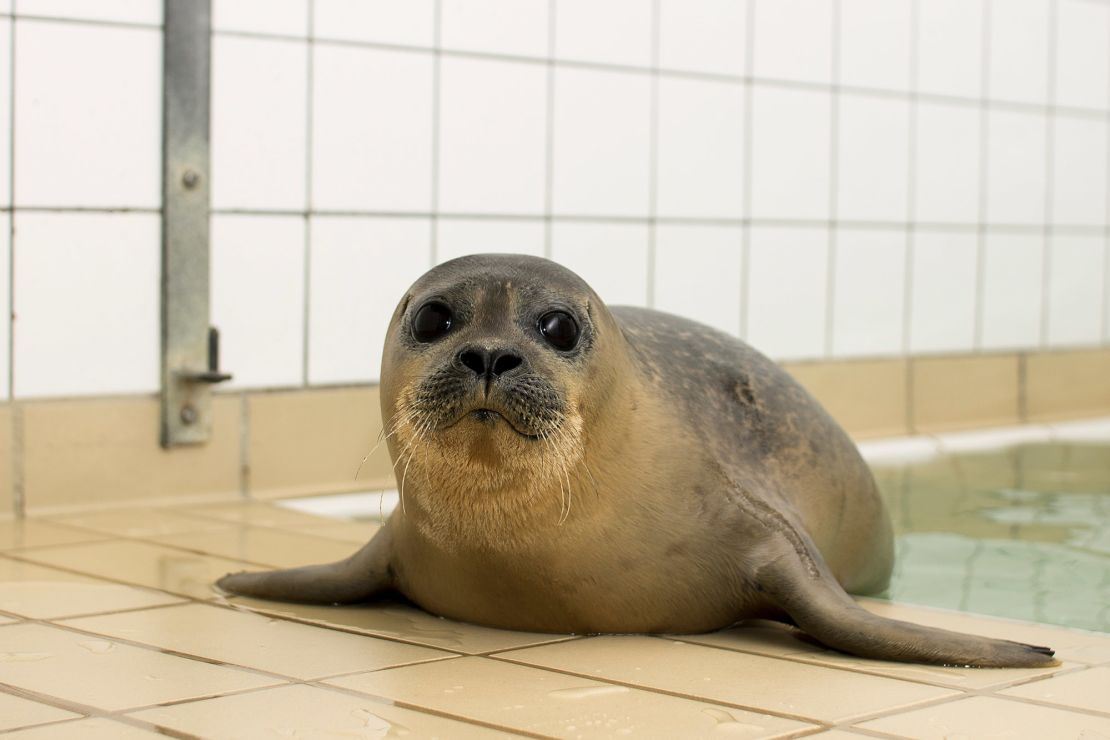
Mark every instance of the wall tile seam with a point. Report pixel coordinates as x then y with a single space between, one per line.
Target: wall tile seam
879 225
971 102
834 176
984 179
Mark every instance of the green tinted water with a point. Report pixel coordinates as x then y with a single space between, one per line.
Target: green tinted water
1021 533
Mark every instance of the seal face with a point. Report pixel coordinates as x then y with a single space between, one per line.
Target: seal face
565 467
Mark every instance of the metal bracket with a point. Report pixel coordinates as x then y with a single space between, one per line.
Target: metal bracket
190 348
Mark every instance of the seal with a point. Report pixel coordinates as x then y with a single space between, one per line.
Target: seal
566 467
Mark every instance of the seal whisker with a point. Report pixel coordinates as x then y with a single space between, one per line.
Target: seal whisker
395 425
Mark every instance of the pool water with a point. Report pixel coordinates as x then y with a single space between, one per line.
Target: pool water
1022 532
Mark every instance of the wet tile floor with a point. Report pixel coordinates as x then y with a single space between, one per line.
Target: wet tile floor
109 628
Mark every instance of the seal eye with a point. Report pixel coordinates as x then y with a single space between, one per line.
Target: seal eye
431 322
559 329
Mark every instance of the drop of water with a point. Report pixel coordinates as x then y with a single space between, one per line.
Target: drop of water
98 647
727 724
587 692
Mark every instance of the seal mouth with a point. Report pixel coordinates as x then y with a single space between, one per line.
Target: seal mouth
490 417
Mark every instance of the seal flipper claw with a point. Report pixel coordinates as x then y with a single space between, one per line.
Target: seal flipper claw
359 577
821 608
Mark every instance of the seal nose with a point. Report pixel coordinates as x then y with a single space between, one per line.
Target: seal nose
490 362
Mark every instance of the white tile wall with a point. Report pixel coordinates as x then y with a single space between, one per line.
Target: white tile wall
405 22
700 165
611 257
790 153
872 158
458 236
518 27
787 289
127 11
1079 171
1076 281
257 286
89 133
259 121
1013 287
1019 50
385 128
1083 54
86 302
949 47
491 136
942 292
868 299
1016 178
352 258
786 48
283 17
698 273
947 163
610 31
642 144
5 297
704 35
601 143
875 43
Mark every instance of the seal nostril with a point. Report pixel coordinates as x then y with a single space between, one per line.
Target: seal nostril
506 362
476 361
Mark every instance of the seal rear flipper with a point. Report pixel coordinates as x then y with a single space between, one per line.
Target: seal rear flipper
802 585
357 578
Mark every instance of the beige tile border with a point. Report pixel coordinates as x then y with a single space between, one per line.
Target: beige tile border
100 452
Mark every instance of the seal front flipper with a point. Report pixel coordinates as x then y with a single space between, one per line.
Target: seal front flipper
796 578
355 579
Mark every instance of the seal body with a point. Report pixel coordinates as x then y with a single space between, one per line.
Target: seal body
564 467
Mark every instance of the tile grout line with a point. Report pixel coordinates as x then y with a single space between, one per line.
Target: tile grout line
653 155
309 120
549 133
911 231
1049 171
984 141
1015 105
434 214
746 197
834 183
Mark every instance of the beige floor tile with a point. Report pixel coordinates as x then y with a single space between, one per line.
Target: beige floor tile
246 639
22 533
762 639
402 622
1070 645
108 675
256 513
986 717
15 711
305 712
273 547
103 450
867 397
1089 689
139 522
358 532
38 592
305 442
7 620
144 564
96 728
547 703
957 392
729 677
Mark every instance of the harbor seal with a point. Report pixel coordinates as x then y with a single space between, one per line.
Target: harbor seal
567 467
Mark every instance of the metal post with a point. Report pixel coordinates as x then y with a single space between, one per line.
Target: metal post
188 345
